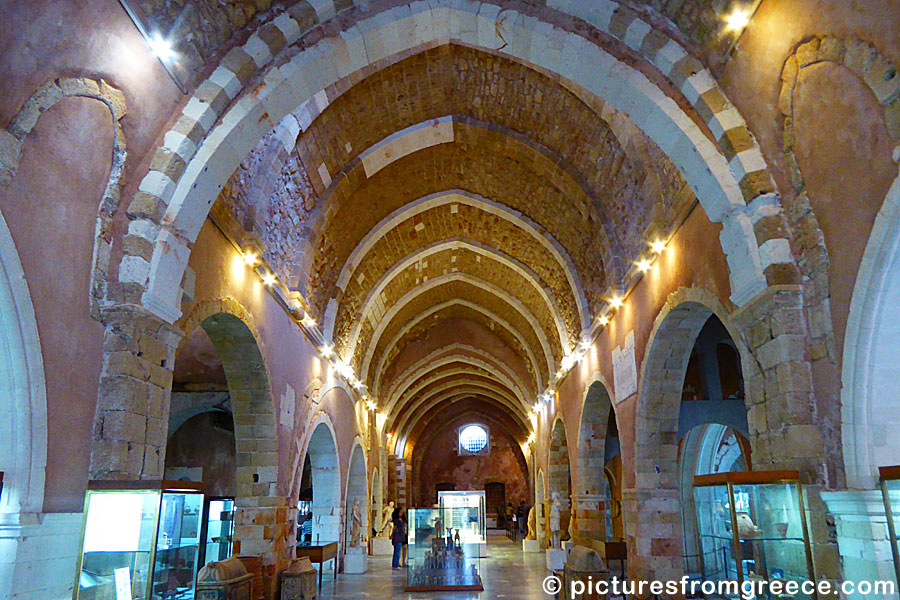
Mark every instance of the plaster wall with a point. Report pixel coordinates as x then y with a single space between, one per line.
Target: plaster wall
51 208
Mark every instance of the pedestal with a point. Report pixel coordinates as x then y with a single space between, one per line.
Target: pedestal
382 547
568 545
556 559
355 560
531 546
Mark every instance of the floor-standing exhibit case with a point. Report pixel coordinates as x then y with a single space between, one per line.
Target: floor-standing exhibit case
471 523
444 549
140 541
890 490
218 530
752 527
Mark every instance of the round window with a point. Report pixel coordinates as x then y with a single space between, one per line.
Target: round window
473 438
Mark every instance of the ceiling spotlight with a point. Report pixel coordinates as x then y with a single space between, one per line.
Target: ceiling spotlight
603 321
567 363
250 259
371 405
309 322
657 246
161 47
737 20
616 301
269 279
643 265
585 345
326 350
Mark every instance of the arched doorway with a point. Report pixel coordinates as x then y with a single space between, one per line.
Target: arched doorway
677 393
560 475
592 491
23 404
712 426
324 473
201 444
357 490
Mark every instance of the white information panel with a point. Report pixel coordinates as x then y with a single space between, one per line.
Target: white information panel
625 369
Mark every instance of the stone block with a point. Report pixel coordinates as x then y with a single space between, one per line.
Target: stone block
555 559
355 560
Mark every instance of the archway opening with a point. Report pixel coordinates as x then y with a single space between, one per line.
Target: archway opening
692 376
357 492
592 493
201 446
325 483
561 477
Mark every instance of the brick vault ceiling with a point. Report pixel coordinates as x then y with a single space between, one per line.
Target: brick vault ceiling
456 186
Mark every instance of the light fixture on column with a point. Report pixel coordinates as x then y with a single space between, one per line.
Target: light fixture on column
269 279
326 350
250 258
603 320
616 302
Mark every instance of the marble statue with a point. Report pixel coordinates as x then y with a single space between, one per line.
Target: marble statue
532 524
386 523
356 525
554 521
572 523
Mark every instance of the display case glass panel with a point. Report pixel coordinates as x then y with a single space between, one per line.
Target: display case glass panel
219 529
440 558
752 527
470 523
177 545
138 543
890 488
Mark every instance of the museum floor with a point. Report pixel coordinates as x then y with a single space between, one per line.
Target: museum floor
507 573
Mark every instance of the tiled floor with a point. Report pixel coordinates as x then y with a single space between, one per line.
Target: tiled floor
507 572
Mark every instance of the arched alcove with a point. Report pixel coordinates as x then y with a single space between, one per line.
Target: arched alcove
592 490
681 388
357 489
560 479
326 485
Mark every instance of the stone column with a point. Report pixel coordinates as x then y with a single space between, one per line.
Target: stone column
590 522
862 537
653 534
132 418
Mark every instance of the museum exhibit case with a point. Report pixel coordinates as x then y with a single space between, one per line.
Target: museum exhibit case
471 523
140 541
218 530
752 527
440 558
890 490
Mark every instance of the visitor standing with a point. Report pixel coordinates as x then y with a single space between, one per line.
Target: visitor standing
398 536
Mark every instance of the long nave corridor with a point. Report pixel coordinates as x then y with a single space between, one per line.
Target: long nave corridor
444 298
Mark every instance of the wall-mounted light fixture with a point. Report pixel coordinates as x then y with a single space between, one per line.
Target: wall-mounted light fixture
161 47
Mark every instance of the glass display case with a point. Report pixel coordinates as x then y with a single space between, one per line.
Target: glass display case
752 526
140 541
440 557
218 530
471 523
890 490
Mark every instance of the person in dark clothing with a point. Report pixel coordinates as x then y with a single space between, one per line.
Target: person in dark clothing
398 536
522 516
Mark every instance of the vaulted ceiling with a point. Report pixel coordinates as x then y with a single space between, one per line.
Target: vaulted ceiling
455 221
